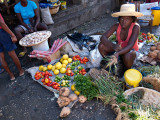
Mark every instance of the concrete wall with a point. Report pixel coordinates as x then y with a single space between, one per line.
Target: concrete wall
78 15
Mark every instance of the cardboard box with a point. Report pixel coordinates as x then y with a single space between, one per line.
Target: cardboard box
52 57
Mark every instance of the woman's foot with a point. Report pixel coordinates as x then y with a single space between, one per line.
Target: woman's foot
12 77
21 72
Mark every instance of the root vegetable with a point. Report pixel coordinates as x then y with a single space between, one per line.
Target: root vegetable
153 48
63 101
82 99
64 91
158 55
158 43
152 54
158 47
65 112
73 97
156 51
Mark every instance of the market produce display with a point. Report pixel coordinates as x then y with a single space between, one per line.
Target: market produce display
147 38
62 73
35 38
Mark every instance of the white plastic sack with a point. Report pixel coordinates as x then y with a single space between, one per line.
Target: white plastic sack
95 57
46 16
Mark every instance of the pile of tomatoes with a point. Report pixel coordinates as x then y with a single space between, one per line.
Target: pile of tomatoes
83 71
82 61
46 80
69 72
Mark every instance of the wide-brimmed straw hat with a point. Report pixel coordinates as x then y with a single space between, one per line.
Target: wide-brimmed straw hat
127 10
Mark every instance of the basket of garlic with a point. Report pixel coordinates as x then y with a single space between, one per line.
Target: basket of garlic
38 40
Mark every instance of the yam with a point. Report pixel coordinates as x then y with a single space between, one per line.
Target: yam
152 55
82 99
158 47
65 112
63 101
158 43
153 48
73 97
156 51
64 91
158 55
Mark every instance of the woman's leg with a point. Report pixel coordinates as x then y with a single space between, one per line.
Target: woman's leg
18 32
5 66
104 50
15 59
128 59
41 27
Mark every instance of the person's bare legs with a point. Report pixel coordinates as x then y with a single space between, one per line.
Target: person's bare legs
128 59
15 59
104 50
5 66
18 32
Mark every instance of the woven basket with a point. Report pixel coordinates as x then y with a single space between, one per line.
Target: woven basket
55 9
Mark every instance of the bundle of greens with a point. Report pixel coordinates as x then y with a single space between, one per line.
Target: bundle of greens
85 86
108 88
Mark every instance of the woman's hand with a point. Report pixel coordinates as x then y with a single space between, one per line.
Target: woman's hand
114 60
14 39
118 47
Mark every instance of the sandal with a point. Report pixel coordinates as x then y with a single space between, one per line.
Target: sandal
1 71
12 79
21 54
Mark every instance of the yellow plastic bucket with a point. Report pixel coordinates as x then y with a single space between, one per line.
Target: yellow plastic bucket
63 5
156 14
133 77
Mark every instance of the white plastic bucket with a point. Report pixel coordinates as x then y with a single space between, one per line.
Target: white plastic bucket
42 46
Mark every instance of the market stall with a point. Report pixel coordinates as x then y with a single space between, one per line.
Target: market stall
73 77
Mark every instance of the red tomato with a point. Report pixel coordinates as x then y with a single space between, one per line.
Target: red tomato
81 62
83 70
50 74
72 73
55 86
47 76
42 80
43 73
77 56
83 73
48 84
68 68
54 83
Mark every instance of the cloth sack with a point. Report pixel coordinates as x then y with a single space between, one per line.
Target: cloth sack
46 16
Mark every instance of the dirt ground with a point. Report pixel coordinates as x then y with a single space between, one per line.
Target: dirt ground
24 99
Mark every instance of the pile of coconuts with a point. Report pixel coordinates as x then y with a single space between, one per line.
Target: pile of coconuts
155 51
65 98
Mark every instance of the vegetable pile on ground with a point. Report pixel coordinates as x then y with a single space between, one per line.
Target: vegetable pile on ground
147 37
85 86
60 74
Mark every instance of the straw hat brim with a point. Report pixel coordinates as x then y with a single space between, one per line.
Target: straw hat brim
136 14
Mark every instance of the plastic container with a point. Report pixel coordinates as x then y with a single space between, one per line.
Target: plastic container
42 46
63 5
54 9
156 14
133 77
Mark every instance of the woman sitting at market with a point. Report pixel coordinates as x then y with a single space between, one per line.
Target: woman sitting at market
27 13
127 31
